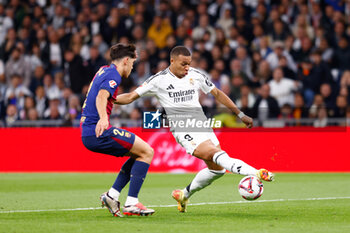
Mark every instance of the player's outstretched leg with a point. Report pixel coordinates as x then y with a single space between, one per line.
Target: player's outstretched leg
203 178
143 155
239 167
208 152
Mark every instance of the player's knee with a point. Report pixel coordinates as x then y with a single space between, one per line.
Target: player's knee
147 154
150 152
209 153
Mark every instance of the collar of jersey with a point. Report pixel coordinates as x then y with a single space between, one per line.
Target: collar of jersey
112 65
115 67
172 74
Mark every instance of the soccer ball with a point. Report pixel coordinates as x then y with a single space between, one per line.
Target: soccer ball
250 188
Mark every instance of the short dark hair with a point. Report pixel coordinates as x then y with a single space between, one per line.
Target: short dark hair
121 50
180 50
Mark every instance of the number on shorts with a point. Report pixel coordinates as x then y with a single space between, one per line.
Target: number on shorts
188 137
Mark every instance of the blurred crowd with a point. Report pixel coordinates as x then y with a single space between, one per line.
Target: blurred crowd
281 59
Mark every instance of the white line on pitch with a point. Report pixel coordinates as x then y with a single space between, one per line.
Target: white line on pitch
160 206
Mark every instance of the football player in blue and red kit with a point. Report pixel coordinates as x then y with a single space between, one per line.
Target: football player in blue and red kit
99 136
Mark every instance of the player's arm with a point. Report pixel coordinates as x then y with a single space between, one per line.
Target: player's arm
145 89
101 105
127 98
225 100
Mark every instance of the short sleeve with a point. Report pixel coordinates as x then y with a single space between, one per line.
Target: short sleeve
205 84
110 85
149 87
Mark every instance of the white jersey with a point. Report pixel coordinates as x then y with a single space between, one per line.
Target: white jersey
178 95
180 99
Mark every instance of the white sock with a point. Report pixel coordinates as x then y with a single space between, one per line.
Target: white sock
233 165
203 178
114 193
131 201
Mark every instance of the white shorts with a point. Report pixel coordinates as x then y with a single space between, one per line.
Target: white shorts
190 141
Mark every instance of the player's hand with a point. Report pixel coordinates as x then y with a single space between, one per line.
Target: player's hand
101 126
248 121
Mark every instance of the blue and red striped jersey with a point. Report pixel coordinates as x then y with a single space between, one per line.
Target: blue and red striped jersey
107 78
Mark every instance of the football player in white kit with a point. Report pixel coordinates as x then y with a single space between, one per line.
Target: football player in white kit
177 89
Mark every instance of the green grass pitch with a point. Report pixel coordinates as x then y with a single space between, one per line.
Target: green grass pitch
287 205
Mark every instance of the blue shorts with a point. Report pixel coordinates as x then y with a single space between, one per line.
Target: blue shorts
113 141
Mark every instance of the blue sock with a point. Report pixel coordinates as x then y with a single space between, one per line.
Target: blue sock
124 175
138 174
